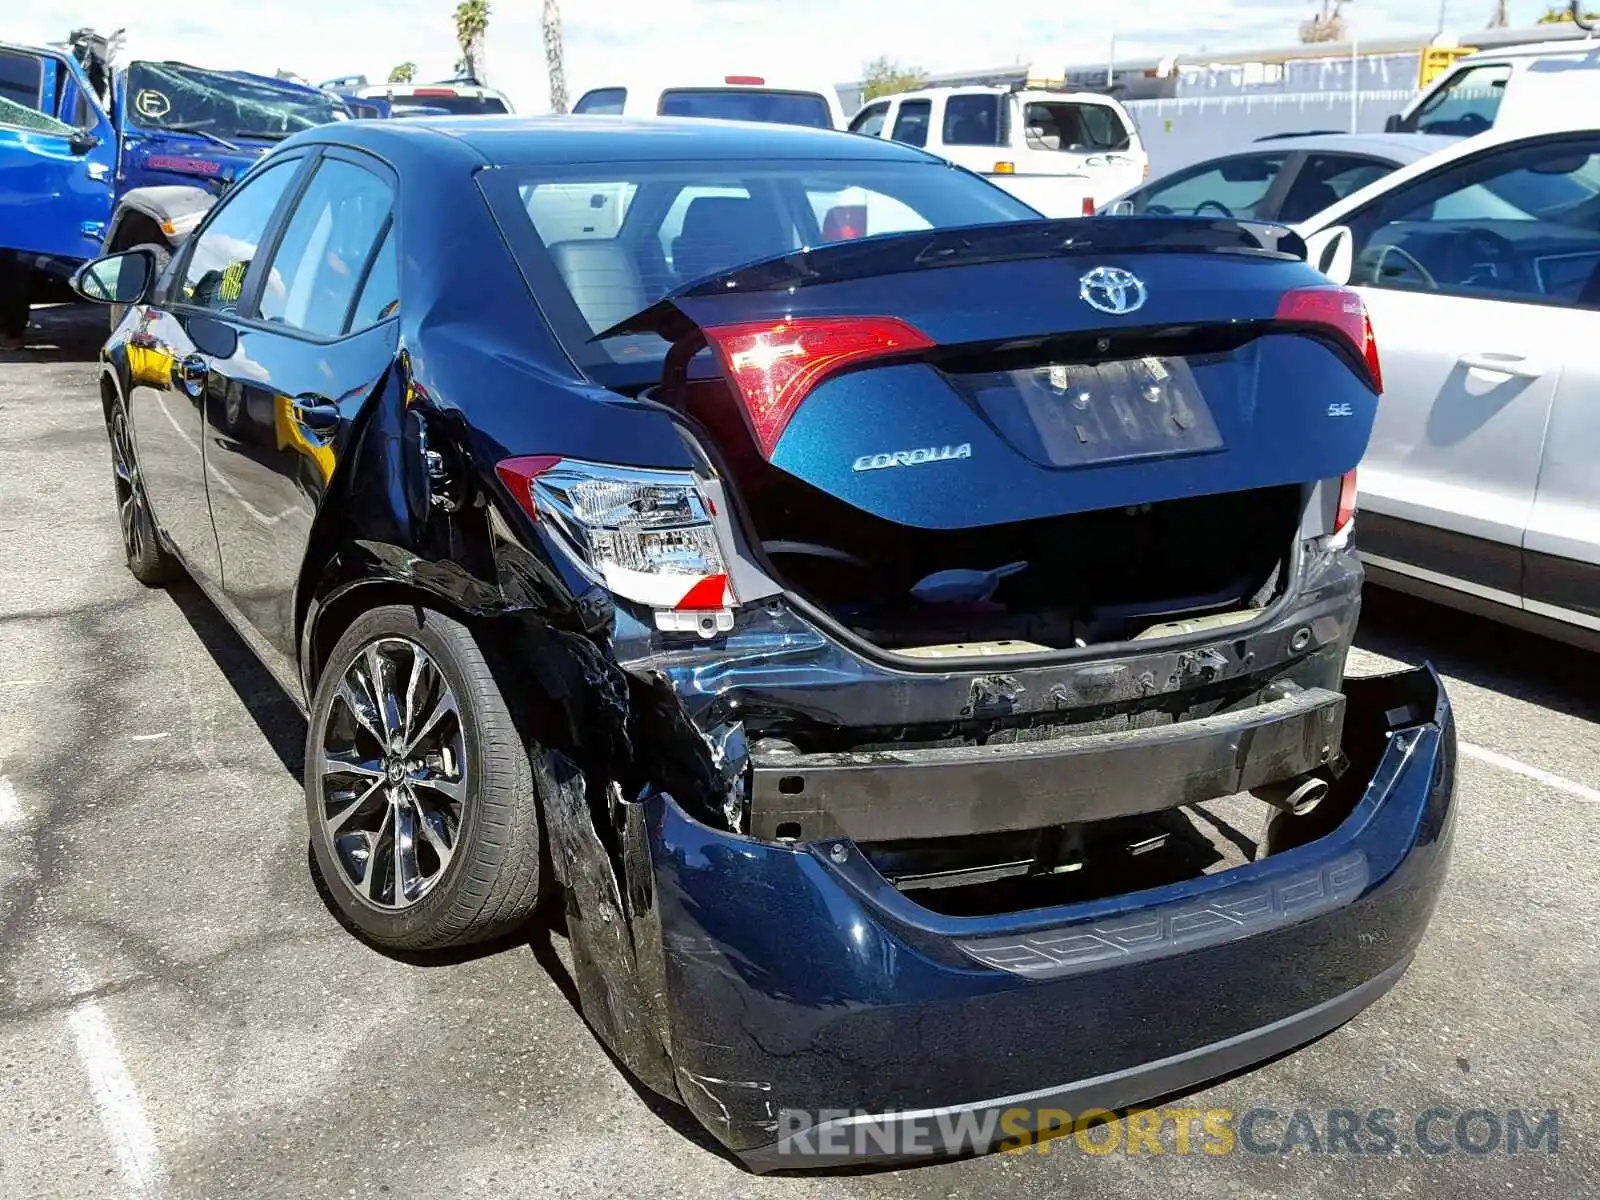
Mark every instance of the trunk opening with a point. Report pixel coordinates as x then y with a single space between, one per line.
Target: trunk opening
1090 578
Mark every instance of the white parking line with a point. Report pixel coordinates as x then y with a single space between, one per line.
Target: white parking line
10 810
1558 783
115 1100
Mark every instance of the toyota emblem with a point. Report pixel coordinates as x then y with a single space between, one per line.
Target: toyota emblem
1112 290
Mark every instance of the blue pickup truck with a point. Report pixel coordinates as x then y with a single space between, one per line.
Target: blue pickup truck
95 159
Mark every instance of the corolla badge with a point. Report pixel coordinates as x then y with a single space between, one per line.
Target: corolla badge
1111 290
912 458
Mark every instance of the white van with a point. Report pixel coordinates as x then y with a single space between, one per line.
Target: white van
1061 152
1507 86
729 97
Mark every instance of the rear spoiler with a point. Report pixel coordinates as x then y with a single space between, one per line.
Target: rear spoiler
922 250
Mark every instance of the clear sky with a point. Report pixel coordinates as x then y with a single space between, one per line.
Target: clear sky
612 41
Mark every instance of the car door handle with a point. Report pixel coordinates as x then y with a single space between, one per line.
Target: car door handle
1503 364
320 416
191 373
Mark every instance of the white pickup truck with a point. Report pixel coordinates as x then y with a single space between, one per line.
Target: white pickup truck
1061 152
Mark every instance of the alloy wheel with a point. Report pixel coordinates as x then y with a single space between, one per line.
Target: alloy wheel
392 778
130 498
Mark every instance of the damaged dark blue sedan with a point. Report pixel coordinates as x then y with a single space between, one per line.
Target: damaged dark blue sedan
908 636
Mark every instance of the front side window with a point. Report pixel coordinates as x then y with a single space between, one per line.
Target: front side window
870 120
213 277
1228 187
21 78
972 120
911 122
1521 222
602 102
322 259
176 96
1465 104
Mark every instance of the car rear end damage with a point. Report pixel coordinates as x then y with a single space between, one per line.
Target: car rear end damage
920 690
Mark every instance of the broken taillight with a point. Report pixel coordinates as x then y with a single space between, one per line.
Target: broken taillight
649 536
774 364
1347 502
1340 310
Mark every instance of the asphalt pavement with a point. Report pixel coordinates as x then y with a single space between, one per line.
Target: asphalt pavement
181 1015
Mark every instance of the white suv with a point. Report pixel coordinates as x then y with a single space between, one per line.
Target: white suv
1061 152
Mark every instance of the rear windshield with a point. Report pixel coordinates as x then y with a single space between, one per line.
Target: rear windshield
599 243
748 104
1066 125
454 105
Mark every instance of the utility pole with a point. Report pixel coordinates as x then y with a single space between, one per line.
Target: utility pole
1501 17
555 67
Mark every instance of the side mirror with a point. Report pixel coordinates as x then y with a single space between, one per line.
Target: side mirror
83 141
123 278
1332 251
1392 124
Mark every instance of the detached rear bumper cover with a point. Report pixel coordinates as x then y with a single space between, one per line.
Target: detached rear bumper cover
774 988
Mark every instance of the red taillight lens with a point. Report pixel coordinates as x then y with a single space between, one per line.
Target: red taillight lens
773 365
1088 206
518 475
744 80
433 91
1341 310
1347 501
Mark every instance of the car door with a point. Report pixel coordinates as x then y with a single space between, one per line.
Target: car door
168 374
58 158
1472 344
316 336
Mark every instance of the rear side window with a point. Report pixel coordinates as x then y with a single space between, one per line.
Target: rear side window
380 294
870 120
1325 179
607 102
748 104
1068 125
21 78
911 123
214 275
327 248
972 121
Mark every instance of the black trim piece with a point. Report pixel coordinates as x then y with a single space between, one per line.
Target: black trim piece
818 1146
1243 910
964 790
1564 582
1461 556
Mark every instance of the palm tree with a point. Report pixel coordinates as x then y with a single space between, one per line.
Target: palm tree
554 64
472 22
406 72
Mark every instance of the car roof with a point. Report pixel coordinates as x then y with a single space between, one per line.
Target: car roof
556 140
1559 124
1397 147
987 89
1530 50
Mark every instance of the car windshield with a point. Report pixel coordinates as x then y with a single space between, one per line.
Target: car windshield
599 244
748 104
447 102
164 95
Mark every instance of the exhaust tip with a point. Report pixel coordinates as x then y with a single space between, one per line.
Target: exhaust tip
1296 796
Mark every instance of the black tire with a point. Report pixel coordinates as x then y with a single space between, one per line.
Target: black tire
163 257
498 870
148 559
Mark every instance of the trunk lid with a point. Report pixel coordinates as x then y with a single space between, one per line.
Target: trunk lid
1012 372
